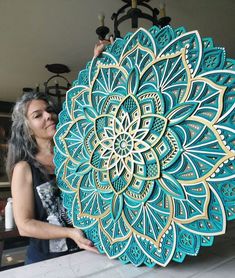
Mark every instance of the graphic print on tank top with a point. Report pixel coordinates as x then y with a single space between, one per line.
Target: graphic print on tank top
49 195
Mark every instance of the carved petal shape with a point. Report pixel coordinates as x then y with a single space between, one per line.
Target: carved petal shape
181 112
171 186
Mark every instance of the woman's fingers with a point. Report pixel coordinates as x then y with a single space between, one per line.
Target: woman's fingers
83 242
89 248
99 47
87 245
111 39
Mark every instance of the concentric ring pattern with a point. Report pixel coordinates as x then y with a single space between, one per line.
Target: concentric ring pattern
145 146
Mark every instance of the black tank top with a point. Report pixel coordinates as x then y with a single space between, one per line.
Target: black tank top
48 208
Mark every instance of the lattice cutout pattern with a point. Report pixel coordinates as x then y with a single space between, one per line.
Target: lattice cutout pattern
145 146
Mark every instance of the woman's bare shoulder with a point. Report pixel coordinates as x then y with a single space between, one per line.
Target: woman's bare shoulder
22 172
22 166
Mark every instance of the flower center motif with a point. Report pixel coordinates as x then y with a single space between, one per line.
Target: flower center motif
123 145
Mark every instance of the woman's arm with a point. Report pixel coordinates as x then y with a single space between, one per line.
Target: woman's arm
23 207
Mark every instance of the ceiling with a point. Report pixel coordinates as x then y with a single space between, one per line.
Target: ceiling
38 32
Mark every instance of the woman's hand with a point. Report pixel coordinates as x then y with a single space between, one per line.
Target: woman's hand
99 47
83 243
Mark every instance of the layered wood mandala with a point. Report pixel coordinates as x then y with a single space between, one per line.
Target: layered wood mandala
145 146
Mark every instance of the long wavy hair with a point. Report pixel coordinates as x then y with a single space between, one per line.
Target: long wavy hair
22 145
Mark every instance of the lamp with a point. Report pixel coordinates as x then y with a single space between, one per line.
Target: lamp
131 10
56 86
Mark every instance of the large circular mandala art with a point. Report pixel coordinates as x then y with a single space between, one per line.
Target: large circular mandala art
145 146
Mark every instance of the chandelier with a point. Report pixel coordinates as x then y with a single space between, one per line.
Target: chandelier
131 11
56 86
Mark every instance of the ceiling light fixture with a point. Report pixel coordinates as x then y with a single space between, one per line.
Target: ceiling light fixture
56 86
131 11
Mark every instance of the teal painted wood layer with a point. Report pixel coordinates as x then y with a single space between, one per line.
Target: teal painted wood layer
145 146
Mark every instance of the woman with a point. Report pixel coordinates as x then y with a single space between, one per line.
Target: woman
36 202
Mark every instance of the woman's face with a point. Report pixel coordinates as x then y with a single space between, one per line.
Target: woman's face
41 119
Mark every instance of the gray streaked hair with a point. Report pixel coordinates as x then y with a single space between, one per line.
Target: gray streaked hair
22 145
